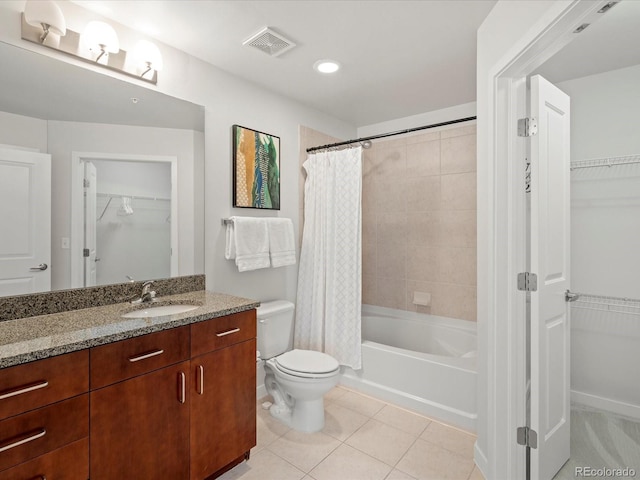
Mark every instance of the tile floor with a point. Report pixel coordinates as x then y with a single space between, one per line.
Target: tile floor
363 439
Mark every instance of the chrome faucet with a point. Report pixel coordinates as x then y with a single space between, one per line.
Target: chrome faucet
147 295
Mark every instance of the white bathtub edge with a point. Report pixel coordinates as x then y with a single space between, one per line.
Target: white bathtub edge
602 403
458 418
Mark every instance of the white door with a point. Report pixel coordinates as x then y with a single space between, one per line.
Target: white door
550 260
25 216
90 216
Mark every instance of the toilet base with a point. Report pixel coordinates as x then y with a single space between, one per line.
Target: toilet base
305 416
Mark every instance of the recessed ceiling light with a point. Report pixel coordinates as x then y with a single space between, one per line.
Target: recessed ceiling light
326 66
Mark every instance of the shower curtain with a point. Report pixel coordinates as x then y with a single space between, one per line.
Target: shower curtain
328 308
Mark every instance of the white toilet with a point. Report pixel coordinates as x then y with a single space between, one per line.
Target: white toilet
296 379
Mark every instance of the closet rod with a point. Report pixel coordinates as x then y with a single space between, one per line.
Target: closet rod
134 197
384 135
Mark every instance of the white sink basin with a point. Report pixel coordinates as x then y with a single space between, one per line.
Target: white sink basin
160 311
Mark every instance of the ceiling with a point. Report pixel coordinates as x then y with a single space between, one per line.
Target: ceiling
608 44
399 58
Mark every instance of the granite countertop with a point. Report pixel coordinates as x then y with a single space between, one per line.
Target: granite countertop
33 338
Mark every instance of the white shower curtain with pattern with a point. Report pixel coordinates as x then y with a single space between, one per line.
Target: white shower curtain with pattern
328 307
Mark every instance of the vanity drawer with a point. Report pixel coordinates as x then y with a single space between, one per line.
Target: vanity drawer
36 384
40 431
129 358
222 331
70 462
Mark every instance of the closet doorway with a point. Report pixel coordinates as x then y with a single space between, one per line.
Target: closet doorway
504 205
605 227
122 218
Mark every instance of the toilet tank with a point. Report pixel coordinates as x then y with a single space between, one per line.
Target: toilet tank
275 328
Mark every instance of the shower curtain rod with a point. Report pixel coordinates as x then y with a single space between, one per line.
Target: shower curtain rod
383 135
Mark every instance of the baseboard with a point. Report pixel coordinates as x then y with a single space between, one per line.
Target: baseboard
261 391
481 460
603 403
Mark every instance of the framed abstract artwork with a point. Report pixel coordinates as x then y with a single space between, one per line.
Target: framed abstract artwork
256 169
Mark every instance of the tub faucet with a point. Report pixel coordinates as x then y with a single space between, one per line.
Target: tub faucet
147 295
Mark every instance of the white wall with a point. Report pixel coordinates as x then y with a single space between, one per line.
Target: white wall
227 100
436 116
605 227
604 113
68 137
605 203
21 131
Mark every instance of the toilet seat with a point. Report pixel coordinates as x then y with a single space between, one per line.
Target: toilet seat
307 364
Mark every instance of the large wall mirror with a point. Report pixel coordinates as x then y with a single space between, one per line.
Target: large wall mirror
101 180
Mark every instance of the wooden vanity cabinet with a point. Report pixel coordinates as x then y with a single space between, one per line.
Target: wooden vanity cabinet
44 419
177 404
223 398
140 425
189 420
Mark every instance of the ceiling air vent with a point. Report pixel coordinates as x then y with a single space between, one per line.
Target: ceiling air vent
269 42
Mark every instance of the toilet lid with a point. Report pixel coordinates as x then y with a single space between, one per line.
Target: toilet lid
307 362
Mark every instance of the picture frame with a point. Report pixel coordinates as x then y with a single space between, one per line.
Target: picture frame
256 169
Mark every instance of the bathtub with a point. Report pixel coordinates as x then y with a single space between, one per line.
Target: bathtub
424 363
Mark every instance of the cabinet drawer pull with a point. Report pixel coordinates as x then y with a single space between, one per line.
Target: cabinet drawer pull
228 332
146 355
182 385
24 389
29 437
200 379
39 477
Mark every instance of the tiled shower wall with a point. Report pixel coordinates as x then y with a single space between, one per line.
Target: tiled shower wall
419 222
419 219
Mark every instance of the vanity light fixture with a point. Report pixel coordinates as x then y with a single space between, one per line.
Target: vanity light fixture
97 45
147 56
326 66
101 39
47 15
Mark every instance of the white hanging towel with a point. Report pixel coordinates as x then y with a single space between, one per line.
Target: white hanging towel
282 244
248 242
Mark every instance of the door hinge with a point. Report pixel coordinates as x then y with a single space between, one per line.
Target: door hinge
527 437
528 282
86 183
85 252
527 127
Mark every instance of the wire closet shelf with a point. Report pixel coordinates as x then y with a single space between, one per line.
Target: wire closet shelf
603 303
605 162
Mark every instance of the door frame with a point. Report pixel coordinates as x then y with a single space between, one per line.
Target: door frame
77 213
502 237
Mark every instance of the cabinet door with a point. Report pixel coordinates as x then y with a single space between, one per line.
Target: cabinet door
140 427
223 407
